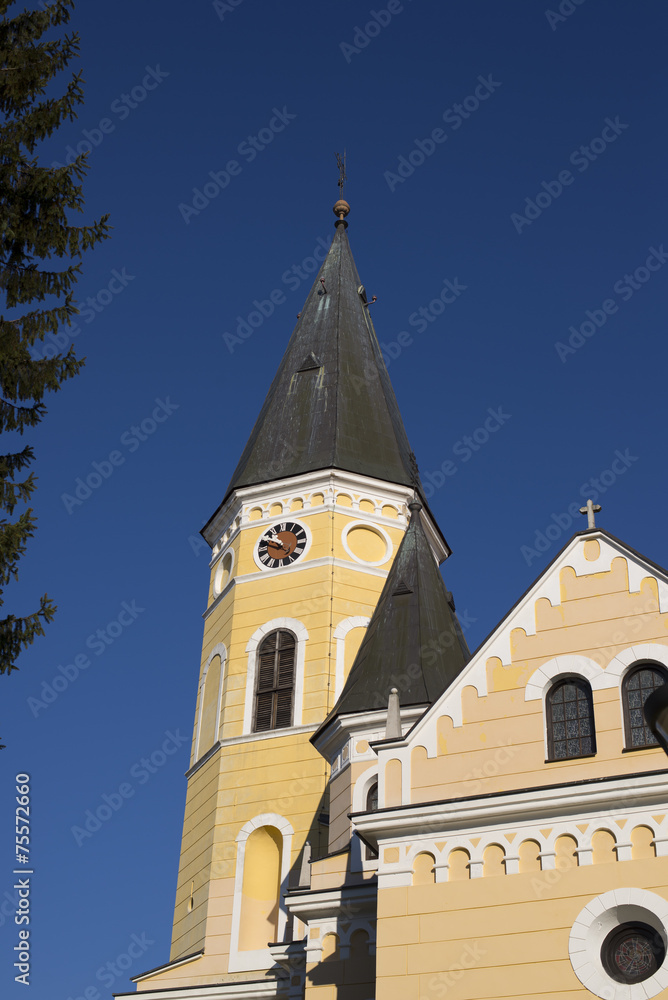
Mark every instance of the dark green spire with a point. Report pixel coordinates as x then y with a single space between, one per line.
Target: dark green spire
331 404
414 641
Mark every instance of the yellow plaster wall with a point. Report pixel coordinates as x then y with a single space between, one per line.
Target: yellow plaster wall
493 937
341 789
279 774
501 744
353 977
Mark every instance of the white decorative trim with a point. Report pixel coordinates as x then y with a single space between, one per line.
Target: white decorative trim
362 786
329 482
620 665
476 867
300 633
593 924
561 667
221 651
217 588
542 679
297 567
504 810
523 616
625 661
340 633
276 519
264 990
368 526
168 966
245 961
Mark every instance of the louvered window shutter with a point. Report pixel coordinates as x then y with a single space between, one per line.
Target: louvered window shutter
275 681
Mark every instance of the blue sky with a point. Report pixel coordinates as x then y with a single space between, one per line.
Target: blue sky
532 149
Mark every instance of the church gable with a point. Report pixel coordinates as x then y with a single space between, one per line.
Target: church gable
505 724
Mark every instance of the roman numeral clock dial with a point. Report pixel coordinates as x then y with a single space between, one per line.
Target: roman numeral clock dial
281 544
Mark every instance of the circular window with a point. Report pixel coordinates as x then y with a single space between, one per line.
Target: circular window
632 953
617 945
367 543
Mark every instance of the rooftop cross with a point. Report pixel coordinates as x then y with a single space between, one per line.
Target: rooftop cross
590 509
341 164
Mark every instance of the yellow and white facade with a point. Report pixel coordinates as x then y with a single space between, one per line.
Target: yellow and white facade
457 843
501 869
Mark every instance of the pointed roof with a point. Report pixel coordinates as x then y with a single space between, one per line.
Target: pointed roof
414 641
331 404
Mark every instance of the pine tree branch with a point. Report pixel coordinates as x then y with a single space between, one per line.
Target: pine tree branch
36 205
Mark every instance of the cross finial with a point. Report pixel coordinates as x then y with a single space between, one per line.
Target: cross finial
341 164
590 509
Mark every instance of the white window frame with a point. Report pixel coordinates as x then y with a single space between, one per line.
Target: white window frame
221 651
340 633
300 633
247 961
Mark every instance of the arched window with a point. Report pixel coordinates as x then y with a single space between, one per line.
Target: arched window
371 806
638 684
570 719
275 681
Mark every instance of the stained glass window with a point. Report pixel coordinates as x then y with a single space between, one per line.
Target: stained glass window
275 681
570 719
638 685
632 952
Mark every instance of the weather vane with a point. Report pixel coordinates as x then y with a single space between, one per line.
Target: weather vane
341 164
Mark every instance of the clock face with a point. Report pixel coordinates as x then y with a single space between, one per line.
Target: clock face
281 544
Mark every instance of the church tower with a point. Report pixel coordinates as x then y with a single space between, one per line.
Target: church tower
302 544
371 809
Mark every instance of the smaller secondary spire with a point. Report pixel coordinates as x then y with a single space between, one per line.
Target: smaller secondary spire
393 722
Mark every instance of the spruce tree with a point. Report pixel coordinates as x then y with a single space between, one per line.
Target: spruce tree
40 261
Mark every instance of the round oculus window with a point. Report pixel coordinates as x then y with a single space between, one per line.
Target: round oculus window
632 952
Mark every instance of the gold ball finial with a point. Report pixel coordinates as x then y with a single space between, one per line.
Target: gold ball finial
341 209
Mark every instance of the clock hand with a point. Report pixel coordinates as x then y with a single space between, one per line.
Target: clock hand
275 540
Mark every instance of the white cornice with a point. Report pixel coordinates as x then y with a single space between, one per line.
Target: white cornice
362 725
510 809
248 738
297 567
217 991
168 966
325 481
329 902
